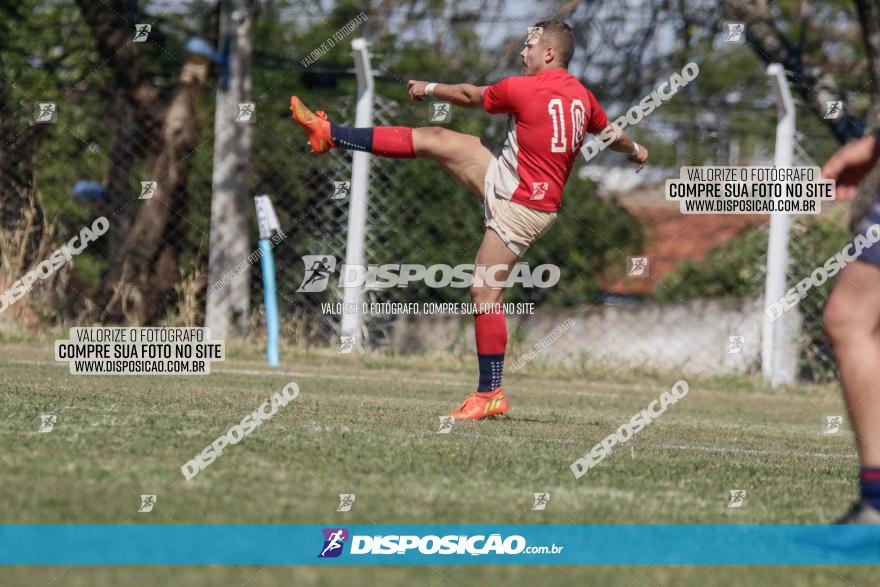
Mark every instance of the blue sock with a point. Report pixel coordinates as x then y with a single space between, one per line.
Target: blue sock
352 139
491 368
869 479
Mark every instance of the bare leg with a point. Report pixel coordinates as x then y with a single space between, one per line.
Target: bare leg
492 251
852 321
462 155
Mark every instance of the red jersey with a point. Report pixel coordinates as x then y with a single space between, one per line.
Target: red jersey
549 115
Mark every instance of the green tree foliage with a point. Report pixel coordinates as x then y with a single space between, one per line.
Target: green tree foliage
736 267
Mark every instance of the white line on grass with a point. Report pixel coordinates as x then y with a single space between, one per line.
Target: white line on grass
457 382
755 451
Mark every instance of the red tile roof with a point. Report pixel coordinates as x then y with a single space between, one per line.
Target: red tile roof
672 237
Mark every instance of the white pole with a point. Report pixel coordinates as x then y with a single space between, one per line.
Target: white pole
778 348
360 184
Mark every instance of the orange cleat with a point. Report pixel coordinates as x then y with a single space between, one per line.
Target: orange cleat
481 405
316 125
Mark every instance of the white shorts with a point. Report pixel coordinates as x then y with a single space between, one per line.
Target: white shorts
517 225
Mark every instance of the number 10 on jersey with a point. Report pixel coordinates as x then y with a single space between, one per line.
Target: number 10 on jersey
559 143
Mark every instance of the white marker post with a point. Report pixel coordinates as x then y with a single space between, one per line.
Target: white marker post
360 185
268 224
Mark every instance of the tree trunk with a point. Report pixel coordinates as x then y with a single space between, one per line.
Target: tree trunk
146 267
227 308
118 181
21 217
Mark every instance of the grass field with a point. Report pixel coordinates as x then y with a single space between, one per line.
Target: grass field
368 425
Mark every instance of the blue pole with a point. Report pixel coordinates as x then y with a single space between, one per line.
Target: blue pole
271 301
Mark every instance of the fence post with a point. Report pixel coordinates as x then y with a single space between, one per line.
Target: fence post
227 309
360 187
779 337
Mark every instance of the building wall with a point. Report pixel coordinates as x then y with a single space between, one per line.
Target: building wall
691 337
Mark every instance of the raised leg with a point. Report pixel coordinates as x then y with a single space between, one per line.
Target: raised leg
462 155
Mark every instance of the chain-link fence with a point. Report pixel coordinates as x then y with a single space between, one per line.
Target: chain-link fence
811 242
106 143
313 212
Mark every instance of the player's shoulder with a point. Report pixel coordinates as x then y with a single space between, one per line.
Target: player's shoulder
561 79
514 80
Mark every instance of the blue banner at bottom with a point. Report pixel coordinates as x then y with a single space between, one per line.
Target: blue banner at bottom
183 544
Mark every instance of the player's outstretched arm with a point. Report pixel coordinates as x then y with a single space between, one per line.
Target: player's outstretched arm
850 164
634 151
467 95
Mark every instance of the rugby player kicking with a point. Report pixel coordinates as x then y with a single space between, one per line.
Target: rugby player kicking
549 112
852 321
